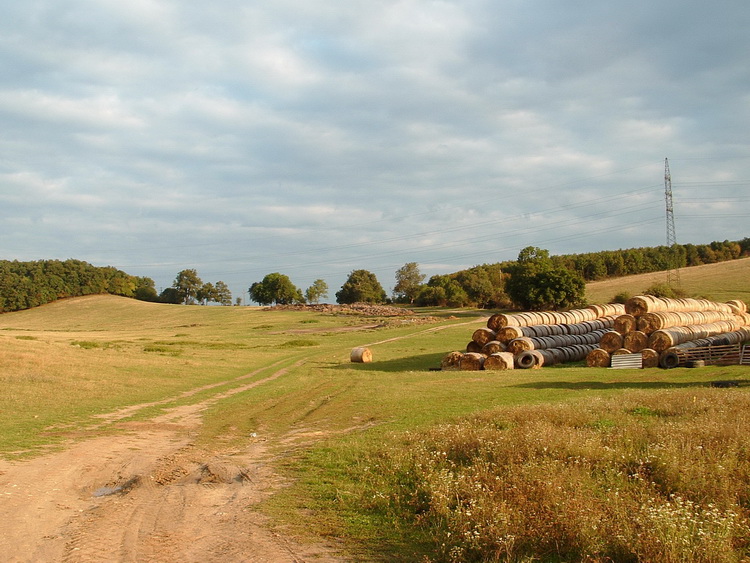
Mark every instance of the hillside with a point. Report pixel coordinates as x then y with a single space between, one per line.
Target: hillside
719 282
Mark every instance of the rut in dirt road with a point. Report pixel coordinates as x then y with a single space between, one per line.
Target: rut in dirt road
148 494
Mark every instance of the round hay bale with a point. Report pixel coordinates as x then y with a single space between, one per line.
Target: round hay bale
635 341
451 361
598 358
518 345
625 324
661 340
361 355
650 358
471 361
497 321
611 341
508 333
621 352
499 361
474 347
493 347
483 335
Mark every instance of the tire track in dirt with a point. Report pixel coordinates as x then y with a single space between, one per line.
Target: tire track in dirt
149 494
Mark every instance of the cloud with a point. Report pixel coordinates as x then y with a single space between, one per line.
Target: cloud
318 138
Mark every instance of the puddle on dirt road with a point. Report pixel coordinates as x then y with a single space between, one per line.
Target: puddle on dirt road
122 489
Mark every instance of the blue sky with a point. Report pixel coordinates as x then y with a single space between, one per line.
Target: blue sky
315 138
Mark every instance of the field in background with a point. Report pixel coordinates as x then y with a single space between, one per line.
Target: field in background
718 282
328 421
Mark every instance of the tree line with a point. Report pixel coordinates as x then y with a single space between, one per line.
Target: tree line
535 280
29 284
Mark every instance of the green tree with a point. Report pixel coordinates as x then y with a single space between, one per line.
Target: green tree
277 289
536 284
222 294
206 293
361 286
317 291
443 291
145 289
187 283
408 282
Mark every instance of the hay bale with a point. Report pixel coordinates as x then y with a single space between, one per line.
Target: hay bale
493 347
598 358
650 358
471 361
361 355
499 361
635 341
474 347
451 361
611 341
625 324
483 335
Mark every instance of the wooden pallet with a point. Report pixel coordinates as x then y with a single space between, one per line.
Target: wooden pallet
720 355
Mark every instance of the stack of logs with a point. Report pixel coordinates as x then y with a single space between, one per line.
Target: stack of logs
654 327
535 339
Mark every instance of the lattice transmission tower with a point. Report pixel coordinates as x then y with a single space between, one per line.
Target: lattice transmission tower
673 273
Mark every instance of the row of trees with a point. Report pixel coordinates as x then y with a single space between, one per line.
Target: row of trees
29 284
535 280
188 288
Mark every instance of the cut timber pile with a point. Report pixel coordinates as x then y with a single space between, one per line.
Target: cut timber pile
654 327
535 339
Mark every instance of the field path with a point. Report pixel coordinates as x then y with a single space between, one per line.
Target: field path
147 494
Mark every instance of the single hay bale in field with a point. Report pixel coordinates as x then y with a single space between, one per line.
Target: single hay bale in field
650 358
361 355
611 341
471 361
451 361
598 358
625 324
635 341
499 361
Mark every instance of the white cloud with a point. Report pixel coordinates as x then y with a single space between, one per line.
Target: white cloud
322 137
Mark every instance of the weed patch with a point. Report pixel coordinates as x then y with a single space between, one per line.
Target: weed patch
299 343
647 477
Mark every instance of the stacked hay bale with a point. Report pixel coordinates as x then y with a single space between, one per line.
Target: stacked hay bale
652 325
534 339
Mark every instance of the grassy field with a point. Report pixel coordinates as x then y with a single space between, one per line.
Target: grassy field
362 443
719 282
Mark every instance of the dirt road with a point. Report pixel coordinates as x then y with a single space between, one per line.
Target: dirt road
147 493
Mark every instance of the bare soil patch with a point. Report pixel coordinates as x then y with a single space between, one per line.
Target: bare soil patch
147 493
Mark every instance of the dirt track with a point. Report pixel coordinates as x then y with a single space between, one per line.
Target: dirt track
146 494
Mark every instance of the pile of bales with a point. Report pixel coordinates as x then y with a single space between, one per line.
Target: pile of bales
535 339
658 328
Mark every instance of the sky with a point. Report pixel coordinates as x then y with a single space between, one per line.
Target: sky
241 138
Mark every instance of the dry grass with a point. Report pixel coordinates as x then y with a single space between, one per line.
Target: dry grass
659 476
719 282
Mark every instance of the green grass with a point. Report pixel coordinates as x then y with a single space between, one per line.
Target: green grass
347 433
718 282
